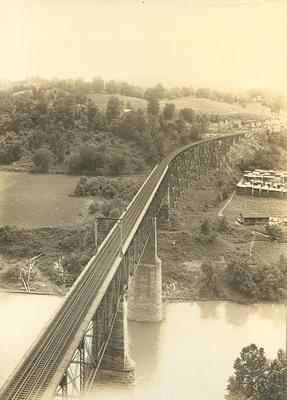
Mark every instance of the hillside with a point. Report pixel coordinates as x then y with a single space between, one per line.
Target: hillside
201 105
101 100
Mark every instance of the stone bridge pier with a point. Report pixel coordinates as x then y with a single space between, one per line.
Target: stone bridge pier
116 365
145 291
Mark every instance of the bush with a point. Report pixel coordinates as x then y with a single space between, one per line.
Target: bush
42 159
259 282
109 188
209 281
94 207
12 275
275 232
117 164
11 148
89 158
7 235
222 224
75 163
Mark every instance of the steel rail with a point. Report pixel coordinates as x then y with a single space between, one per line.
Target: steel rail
35 372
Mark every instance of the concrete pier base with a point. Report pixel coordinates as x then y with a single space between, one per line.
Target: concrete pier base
116 365
145 288
145 294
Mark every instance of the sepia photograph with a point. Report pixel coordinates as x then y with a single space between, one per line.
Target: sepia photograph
143 199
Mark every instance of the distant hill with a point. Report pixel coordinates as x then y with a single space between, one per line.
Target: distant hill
200 105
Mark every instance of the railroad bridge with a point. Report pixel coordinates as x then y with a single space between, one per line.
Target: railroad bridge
86 337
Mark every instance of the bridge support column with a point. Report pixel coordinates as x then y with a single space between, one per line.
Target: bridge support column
116 365
145 291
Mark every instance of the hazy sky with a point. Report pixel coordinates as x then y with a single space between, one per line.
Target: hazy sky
224 43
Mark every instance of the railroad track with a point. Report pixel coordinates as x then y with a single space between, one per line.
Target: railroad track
38 373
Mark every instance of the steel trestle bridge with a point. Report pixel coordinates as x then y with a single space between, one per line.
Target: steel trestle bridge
80 329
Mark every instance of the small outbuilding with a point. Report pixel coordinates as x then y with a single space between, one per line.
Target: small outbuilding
254 219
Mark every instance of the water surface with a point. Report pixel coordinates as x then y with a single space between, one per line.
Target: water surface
188 356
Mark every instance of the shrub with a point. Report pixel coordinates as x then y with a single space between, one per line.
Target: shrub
7 235
117 164
109 188
275 231
208 280
94 207
222 224
206 227
260 282
12 274
42 159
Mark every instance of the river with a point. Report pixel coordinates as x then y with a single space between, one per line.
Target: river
188 356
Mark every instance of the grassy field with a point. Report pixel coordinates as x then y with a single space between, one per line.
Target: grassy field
101 100
215 107
37 200
250 205
199 105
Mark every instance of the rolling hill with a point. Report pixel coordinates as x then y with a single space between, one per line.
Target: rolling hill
200 105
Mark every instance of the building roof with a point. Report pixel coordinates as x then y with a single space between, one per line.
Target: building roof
248 216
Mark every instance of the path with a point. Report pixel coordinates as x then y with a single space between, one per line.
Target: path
220 212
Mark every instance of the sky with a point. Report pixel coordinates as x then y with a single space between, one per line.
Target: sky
235 44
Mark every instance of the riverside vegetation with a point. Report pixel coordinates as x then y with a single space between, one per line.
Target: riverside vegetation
257 378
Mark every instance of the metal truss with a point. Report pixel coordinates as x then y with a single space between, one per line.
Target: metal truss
80 374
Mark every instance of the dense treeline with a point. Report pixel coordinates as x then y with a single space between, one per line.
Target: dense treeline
257 378
58 124
97 85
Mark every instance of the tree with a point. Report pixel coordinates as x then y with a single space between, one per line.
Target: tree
209 278
117 163
157 92
169 111
92 157
261 282
249 370
180 125
174 93
206 227
275 231
188 114
203 122
113 109
98 84
153 107
112 87
275 379
10 148
195 133
203 92
42 159
257 378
